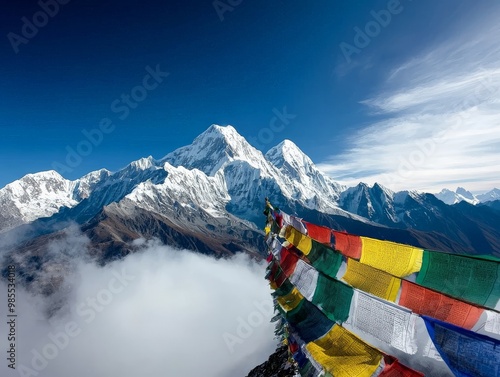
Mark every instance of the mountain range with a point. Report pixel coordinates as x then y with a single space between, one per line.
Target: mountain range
461 194
208 196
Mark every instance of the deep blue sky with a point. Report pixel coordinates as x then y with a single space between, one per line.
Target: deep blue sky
263 55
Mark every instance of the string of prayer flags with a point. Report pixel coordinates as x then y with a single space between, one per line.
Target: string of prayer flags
371 280
436 305
475 280
300 358
343 354
348 244
396 259
466 353
428 309
308 370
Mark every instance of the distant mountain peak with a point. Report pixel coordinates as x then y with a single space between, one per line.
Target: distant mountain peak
489 196
464 193
452 197
143 163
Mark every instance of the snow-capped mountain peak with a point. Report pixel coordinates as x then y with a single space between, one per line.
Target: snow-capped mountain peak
143 163
298 167
34 196
489 196
288 157
213 149
460 194
465 194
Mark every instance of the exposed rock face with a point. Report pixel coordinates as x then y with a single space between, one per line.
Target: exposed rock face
276 366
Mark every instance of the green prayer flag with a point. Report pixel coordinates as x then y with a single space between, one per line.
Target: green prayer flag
284 289
333 298
476 280
324 259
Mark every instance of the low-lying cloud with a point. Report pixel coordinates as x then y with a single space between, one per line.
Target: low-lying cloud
158 312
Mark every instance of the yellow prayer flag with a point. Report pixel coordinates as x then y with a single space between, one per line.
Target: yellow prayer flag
343 354
371 280
291 300
299 240
397 259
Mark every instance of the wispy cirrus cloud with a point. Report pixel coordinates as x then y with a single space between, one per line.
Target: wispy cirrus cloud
441 125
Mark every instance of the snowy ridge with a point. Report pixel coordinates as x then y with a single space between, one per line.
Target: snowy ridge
219 175
462 195
298 167
43 194
489 196
183 187
370 202
453 197
88 182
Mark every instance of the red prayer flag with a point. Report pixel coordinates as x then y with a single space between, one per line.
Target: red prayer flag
393 368
322 234
348 244
427 302
288 261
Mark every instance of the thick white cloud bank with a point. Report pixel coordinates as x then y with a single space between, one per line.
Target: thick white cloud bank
440 124
159 312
